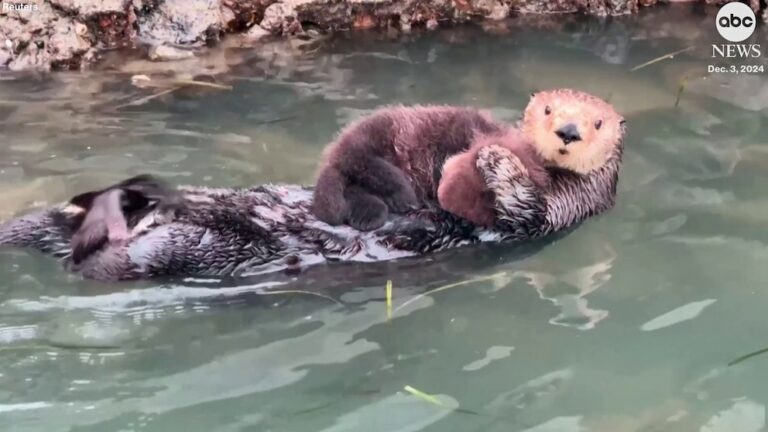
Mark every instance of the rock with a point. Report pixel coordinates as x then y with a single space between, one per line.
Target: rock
276 15
599 8
168 53
89 7
405 23
180 22
499 12
257 33
40 40
69 34
363 22
30 58
5 53
240 15
140 81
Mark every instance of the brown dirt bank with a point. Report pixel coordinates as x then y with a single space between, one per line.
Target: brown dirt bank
71 34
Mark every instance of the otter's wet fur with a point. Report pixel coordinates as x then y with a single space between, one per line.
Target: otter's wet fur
229 232
561 129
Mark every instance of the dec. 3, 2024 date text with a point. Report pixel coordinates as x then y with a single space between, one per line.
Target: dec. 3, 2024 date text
736 69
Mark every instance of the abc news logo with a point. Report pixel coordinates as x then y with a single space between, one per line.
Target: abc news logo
736 22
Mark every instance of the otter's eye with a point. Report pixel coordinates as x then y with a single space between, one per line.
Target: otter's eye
547 110
598 124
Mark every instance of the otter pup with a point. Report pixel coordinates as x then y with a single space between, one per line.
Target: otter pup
565 129
391 160
106 212
394 159
463 191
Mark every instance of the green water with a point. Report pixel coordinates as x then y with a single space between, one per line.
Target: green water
627 324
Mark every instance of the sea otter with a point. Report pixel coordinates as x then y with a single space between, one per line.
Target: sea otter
561 130
262 229
393 160
193 231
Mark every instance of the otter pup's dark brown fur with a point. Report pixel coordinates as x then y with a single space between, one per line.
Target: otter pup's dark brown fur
392 161
463 191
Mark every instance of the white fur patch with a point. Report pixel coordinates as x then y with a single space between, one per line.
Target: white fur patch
142 250
72 209
198 198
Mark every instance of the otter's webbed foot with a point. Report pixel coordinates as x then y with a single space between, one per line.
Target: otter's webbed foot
384 180
402 200
363 193
366 212
520 208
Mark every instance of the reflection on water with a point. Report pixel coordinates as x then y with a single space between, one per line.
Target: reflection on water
626 324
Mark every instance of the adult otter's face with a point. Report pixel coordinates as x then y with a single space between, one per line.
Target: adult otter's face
573 129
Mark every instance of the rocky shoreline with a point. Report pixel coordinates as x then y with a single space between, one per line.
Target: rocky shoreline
72 34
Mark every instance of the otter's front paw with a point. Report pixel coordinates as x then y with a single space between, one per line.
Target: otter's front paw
330 211
366 212
497 162
368 217
402 201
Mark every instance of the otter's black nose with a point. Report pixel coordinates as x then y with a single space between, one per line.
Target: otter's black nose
568 133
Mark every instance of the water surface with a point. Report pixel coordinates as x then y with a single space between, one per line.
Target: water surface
627 324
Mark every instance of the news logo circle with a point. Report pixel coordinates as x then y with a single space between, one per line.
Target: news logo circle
735 22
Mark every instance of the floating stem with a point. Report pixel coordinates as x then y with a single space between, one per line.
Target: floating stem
143 100
684 83
664 57
202 84
449 286
424 396
747 356
302 292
